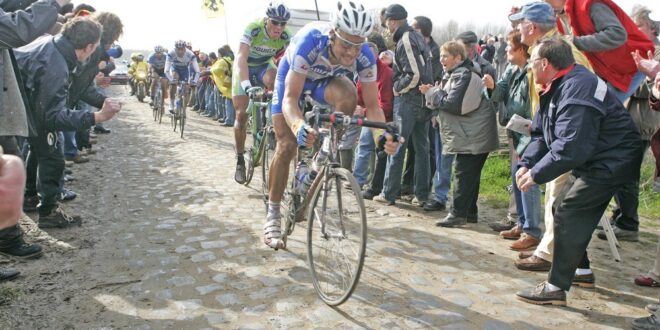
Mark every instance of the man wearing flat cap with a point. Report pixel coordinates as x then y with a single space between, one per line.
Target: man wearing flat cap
470 40
410 71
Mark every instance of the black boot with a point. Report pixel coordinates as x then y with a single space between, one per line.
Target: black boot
56 218
13 245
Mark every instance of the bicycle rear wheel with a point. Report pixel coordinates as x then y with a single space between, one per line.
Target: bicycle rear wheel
336 236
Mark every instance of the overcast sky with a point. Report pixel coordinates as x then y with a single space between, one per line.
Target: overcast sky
168 20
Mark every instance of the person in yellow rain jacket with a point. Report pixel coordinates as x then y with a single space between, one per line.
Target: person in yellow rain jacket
138 65
221 72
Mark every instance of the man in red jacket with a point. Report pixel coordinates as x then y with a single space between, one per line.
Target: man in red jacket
366 144
607 36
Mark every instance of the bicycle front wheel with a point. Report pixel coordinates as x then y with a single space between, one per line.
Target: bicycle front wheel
336 236
267 152
182 120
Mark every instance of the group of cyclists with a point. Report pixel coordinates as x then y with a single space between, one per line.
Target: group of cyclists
322 59
179 64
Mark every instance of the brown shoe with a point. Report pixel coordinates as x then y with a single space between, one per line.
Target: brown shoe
525 254
533 263
526 242
513 233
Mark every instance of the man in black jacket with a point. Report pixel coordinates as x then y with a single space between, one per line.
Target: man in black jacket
410 70
579 127
46 67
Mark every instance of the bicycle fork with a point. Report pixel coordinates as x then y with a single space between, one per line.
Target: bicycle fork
341 234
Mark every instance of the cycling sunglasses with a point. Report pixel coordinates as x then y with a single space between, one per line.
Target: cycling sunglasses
349 44
277 23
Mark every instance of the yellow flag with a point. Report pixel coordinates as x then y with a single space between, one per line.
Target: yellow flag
213 8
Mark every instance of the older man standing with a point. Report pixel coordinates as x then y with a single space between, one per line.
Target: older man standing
536 21
581 129
410 71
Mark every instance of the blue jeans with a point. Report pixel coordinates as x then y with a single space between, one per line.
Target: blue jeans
637 80
363 153
417 131
70 147
229 112
210 100
443 165
220 104
528 205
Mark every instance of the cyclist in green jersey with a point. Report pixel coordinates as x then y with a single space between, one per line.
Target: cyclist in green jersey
254 66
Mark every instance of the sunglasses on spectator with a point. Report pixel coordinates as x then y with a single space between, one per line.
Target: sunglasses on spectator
347 44
277 23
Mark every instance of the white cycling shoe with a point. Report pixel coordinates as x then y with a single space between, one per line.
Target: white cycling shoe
273 232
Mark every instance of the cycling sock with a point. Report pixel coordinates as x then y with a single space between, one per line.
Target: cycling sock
583 271
274 208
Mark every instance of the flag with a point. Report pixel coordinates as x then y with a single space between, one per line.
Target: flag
213 8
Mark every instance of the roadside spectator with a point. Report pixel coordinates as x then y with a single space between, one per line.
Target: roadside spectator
536 21
512 90
221 72
625 217
652 279
410 72
469 39
500 61
387 57
45 66
606 35
12 182
367 145
488 51
468 127
18 27
579 128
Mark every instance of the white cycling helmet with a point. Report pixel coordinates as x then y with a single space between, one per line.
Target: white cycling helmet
352 18
159 49
278 11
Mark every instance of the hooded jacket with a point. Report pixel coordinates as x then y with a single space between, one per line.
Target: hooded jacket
471 133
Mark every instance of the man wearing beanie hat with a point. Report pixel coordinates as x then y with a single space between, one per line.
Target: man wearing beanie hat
410 71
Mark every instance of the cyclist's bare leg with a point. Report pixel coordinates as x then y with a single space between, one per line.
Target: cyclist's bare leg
269 78
164 84
175 77
240 132
240 126
340 93
154 76
186 95
278 175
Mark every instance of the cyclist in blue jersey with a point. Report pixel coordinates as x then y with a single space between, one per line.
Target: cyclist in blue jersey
319 59
156 63
178 65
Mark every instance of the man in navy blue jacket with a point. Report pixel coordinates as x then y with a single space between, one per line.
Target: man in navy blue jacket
580 127
46 66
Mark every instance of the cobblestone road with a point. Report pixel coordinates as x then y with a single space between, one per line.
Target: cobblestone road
171 241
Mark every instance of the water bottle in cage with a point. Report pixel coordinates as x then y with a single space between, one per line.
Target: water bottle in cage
302 171
322 154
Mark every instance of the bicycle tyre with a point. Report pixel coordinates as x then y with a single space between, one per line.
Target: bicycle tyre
182 120
249 166
267 151
174 120
332 185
